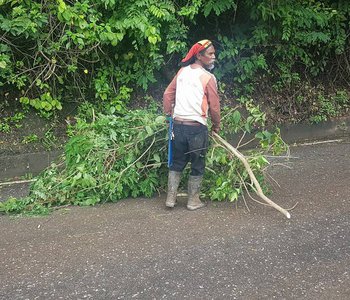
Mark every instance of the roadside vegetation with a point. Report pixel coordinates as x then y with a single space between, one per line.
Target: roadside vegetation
278 61
114 156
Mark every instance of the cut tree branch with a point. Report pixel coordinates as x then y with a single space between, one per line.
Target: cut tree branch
241 157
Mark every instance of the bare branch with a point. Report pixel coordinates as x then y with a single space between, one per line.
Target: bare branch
241 157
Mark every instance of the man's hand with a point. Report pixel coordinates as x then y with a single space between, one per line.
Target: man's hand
167 118
215 129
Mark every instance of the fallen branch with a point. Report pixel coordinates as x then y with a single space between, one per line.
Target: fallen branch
241 157
17 182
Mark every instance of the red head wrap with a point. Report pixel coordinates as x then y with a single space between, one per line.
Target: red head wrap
196 48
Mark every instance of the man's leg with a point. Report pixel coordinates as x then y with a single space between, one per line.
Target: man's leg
198 144
173 184
194 186
180 160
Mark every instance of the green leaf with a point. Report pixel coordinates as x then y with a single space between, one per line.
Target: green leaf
160 120
236 116
259 135
153 39
156 157
149 130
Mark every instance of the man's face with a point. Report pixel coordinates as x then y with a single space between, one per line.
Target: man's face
208 58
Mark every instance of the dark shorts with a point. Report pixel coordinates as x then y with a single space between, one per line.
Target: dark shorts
190 144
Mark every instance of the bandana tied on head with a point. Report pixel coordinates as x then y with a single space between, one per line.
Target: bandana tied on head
196 48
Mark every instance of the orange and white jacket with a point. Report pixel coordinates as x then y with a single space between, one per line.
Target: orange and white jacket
193 94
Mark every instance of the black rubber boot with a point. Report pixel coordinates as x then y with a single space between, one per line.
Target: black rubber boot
194 186
173 184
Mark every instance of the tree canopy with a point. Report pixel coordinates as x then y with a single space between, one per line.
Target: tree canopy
103 50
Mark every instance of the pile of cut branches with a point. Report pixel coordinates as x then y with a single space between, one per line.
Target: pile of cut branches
112 157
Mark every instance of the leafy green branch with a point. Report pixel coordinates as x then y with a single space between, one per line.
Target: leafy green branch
113 157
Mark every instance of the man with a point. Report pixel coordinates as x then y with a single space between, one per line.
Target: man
189 99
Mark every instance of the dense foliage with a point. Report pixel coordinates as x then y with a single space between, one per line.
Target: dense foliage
290 55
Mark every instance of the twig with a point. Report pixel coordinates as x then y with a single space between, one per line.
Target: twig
280 164
93 116
273 179
34 81
246 143
321 142
245 203
199 149
16 182
250 196
61 206
240 140
281 156
135 161
181 194
251 174
293 206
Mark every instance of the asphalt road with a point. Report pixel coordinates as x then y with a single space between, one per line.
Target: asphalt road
136 249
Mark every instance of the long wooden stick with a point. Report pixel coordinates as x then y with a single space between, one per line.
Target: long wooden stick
251 174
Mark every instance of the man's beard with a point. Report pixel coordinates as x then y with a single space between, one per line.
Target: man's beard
210 67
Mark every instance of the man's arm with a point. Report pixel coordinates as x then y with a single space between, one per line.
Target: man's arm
214 104
169 97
